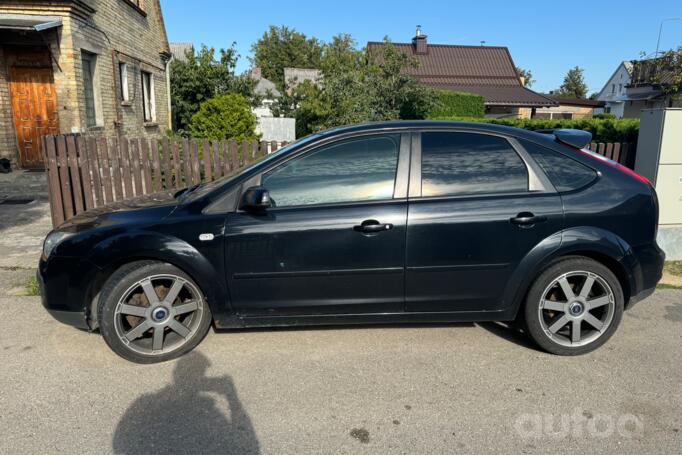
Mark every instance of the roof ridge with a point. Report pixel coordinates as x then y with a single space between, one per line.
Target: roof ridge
443 45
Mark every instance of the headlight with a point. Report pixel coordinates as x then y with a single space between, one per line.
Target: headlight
52 240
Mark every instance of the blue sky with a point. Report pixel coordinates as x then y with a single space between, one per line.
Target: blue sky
546 38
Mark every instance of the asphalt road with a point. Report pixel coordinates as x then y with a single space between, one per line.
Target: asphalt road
429 389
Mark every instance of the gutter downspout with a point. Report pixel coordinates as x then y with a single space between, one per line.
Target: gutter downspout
168 93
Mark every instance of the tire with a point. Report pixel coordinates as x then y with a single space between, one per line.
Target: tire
578 323
138 320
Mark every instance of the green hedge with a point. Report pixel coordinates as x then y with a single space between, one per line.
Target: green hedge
603 130
459 104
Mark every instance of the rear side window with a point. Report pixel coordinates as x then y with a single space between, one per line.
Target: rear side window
466 163
565 173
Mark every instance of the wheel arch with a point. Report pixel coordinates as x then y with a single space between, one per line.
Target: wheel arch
598 244
113 253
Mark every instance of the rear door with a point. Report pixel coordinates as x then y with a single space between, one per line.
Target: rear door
477 205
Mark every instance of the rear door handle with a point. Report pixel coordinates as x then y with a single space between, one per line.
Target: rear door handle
527 219
372 227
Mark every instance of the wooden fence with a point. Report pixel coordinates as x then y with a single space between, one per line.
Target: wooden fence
84 173
88 172
622 152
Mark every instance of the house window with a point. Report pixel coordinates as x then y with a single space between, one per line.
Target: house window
148 102
613 88
620 88
92 104
123 75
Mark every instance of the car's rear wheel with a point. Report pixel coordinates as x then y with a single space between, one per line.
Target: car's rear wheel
151 312
574 306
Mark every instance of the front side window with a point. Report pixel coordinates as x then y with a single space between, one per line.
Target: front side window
352 170
467 163
148 102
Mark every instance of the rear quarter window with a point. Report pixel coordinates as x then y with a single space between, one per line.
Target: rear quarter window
565 173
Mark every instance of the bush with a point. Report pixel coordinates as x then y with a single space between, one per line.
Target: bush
224 117
603 130
457 104
604 115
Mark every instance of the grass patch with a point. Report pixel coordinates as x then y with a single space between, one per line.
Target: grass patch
32 287
673 267
667 286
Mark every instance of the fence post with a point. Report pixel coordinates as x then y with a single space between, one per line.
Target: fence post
56 206
76 184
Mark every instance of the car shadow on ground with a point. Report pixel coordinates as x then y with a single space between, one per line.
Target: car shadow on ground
194 414
510 332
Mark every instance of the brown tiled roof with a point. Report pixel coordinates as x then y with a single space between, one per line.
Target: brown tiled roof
485 70
578 102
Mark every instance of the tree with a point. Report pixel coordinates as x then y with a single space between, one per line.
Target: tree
201 77
666 70
224 117
527 76
574 84
282 47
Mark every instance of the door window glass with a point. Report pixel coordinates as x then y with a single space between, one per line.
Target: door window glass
353 170
466 163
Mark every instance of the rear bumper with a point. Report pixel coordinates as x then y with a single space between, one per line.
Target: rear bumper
647 272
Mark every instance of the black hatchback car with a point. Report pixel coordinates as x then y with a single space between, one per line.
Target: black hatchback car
391 222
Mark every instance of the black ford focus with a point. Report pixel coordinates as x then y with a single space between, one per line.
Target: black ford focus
375 223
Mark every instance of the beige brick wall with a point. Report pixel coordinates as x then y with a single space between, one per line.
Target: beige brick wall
115 31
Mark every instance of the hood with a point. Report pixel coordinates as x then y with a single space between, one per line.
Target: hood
157 205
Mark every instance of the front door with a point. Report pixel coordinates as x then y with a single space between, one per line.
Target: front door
334 243
34 104
479 210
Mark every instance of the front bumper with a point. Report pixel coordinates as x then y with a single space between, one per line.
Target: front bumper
63 288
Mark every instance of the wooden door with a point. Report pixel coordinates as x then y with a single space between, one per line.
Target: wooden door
34 103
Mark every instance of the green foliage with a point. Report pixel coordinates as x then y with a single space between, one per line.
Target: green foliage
457 104
357 87
202 77
32 287
282 47
604 115
574 85
527 75
665 70
603 130
224 117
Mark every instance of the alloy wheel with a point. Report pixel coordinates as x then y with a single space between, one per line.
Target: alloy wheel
158 314
576 308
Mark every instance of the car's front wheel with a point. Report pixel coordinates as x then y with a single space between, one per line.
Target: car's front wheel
574 306
151 312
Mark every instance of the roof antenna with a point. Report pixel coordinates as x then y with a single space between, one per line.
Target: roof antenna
482 43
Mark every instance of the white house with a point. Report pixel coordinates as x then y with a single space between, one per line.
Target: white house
613 93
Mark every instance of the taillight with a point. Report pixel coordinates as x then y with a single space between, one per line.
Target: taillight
614 164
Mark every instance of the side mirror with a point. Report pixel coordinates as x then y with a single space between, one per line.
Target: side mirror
255 198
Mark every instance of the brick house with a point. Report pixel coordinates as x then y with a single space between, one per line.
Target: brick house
484 70
91 67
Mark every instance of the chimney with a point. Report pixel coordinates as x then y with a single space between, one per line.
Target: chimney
419 42
255 72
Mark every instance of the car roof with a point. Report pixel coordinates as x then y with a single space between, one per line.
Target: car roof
434 124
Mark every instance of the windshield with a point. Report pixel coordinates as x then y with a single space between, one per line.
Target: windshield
206 188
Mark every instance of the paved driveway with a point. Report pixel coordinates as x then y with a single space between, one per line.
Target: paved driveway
430 389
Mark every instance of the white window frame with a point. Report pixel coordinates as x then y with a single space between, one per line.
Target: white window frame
148 99
123 74
94 79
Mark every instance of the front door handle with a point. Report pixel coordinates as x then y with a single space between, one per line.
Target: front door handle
527 219
372 227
